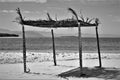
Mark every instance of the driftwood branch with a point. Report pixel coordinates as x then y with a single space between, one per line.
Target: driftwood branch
49 18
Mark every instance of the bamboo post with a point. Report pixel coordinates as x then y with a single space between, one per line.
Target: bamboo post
98 46
24 40
54 54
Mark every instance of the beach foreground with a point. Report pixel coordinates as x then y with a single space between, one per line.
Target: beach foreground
41 66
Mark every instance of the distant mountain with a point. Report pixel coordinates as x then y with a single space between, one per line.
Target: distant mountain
92 35
110 35
38 34
8 35
29 34
75 34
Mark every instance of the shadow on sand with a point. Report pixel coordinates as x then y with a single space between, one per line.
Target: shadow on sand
105 73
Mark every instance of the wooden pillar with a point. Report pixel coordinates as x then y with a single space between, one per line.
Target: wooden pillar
24 48
80 45
79 38
54 54
24 40
98 46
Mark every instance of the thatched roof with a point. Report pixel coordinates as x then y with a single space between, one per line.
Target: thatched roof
66 23
56 24
8 35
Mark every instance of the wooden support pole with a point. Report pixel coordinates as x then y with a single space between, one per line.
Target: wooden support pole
24 48
80 46
98 46
24 40
54 54
79 39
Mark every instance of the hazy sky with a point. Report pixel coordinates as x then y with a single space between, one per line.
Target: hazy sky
108 11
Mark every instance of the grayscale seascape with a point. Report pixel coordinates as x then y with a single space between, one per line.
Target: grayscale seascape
60 39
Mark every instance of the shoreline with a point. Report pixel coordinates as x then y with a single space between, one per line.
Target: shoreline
13 57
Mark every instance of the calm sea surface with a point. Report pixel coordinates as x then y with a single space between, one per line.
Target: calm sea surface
62 44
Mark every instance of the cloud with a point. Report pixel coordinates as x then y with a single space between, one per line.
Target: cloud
68 0
105 1
25 11
77 1
117 19
63 0
7 11
37 1
96 0
114 18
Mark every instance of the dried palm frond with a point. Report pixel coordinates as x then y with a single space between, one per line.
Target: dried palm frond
97 21
18 11
20 16
74 13
91 20
49 18
56 17
87 19
82 18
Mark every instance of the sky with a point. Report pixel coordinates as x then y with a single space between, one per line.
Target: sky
108 12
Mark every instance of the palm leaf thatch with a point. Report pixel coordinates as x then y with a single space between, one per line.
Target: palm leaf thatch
50 23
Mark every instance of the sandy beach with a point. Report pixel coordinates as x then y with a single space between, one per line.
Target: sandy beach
41 65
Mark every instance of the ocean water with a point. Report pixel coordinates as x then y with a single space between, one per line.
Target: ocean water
107 45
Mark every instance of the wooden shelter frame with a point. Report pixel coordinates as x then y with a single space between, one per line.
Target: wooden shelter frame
54 55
